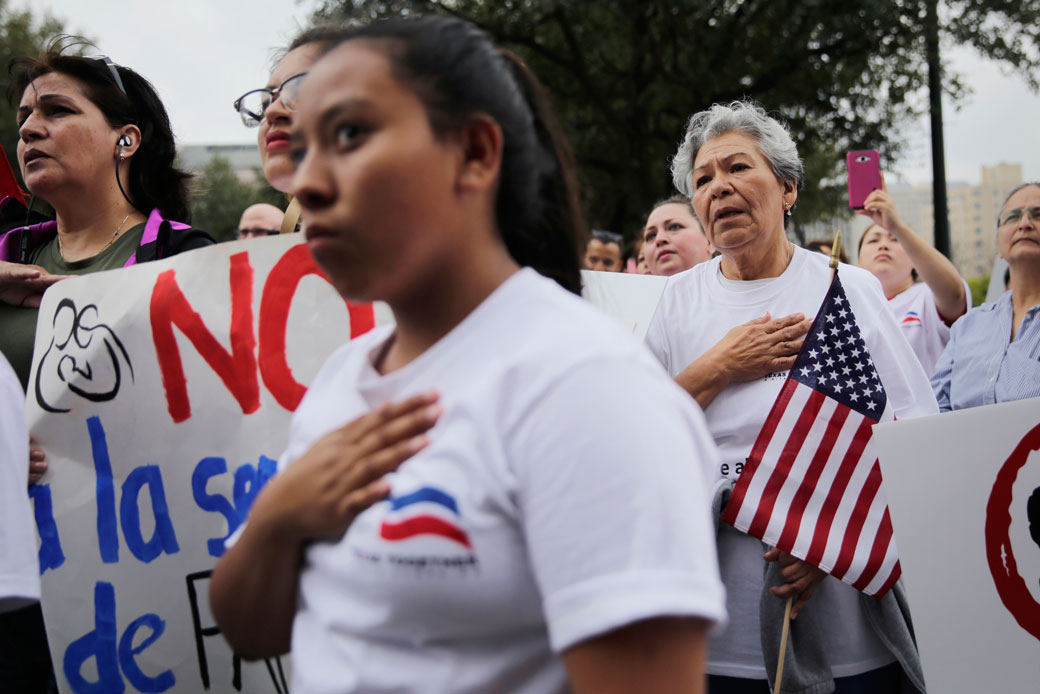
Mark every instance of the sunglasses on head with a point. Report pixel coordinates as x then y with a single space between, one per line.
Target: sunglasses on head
107 62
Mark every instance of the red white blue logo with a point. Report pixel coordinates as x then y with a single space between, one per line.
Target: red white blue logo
426 511
911 317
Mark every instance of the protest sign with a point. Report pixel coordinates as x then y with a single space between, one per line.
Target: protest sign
964 494
162 394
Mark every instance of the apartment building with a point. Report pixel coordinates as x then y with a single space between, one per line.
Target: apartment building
973 211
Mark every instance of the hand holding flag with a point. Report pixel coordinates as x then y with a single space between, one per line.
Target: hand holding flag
812 484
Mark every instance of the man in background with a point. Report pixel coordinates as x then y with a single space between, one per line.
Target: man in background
260 219
604 251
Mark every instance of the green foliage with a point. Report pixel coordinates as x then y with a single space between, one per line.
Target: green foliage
979 286
626 75
20 35
219 197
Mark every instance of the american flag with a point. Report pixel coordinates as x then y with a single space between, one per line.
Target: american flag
812 484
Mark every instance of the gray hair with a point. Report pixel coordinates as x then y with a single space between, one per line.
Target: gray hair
772 136
1017 188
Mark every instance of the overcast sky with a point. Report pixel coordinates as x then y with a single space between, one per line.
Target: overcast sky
202 54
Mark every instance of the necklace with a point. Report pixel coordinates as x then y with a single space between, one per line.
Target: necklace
112 240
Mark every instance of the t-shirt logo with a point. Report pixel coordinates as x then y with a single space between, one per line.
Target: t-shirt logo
911 318
426 511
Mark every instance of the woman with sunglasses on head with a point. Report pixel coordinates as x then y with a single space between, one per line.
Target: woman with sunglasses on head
95 142
994 351
458 509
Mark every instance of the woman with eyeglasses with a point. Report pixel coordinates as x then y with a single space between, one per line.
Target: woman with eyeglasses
923 288
459 509
271 109
994 351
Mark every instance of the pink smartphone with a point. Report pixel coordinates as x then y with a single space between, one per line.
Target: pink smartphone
864 176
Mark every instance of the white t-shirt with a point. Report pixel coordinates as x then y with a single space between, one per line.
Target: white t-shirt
922 326
19 567
564 494
696 311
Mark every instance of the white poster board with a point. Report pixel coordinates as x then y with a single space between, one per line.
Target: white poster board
964 493
631 300
162 395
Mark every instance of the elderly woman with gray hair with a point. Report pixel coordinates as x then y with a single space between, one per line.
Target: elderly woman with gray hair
727 331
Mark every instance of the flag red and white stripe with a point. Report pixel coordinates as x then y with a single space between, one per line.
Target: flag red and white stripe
812 484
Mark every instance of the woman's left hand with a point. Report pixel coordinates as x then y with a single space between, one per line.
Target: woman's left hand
23 285
37 462
881 209
801 579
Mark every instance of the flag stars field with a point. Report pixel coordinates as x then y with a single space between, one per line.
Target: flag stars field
819 429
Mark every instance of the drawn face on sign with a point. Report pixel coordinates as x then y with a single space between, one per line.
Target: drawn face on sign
1013 533
85 358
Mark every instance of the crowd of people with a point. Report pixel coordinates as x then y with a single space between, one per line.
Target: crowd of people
432 175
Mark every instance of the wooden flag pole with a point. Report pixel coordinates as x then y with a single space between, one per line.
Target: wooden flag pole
783 645
292 217
835 253
835 259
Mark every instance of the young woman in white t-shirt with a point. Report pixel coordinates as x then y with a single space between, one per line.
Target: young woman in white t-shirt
897 256
459 508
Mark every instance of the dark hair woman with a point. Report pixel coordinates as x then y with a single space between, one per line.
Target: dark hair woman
457 504
95 142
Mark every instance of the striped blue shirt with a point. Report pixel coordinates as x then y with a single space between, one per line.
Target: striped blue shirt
981 365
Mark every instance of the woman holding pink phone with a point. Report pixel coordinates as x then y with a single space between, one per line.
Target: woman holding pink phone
923 288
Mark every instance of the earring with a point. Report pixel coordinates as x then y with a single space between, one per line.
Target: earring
787 208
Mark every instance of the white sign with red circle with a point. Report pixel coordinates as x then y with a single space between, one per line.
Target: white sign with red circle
964 492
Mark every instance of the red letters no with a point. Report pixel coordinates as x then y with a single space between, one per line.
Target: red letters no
236 369
279 290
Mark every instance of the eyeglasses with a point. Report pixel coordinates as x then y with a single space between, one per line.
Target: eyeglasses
252 105
607 236
107 62
1012 216
250 233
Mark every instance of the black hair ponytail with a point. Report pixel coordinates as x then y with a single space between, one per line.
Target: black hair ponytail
558 233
